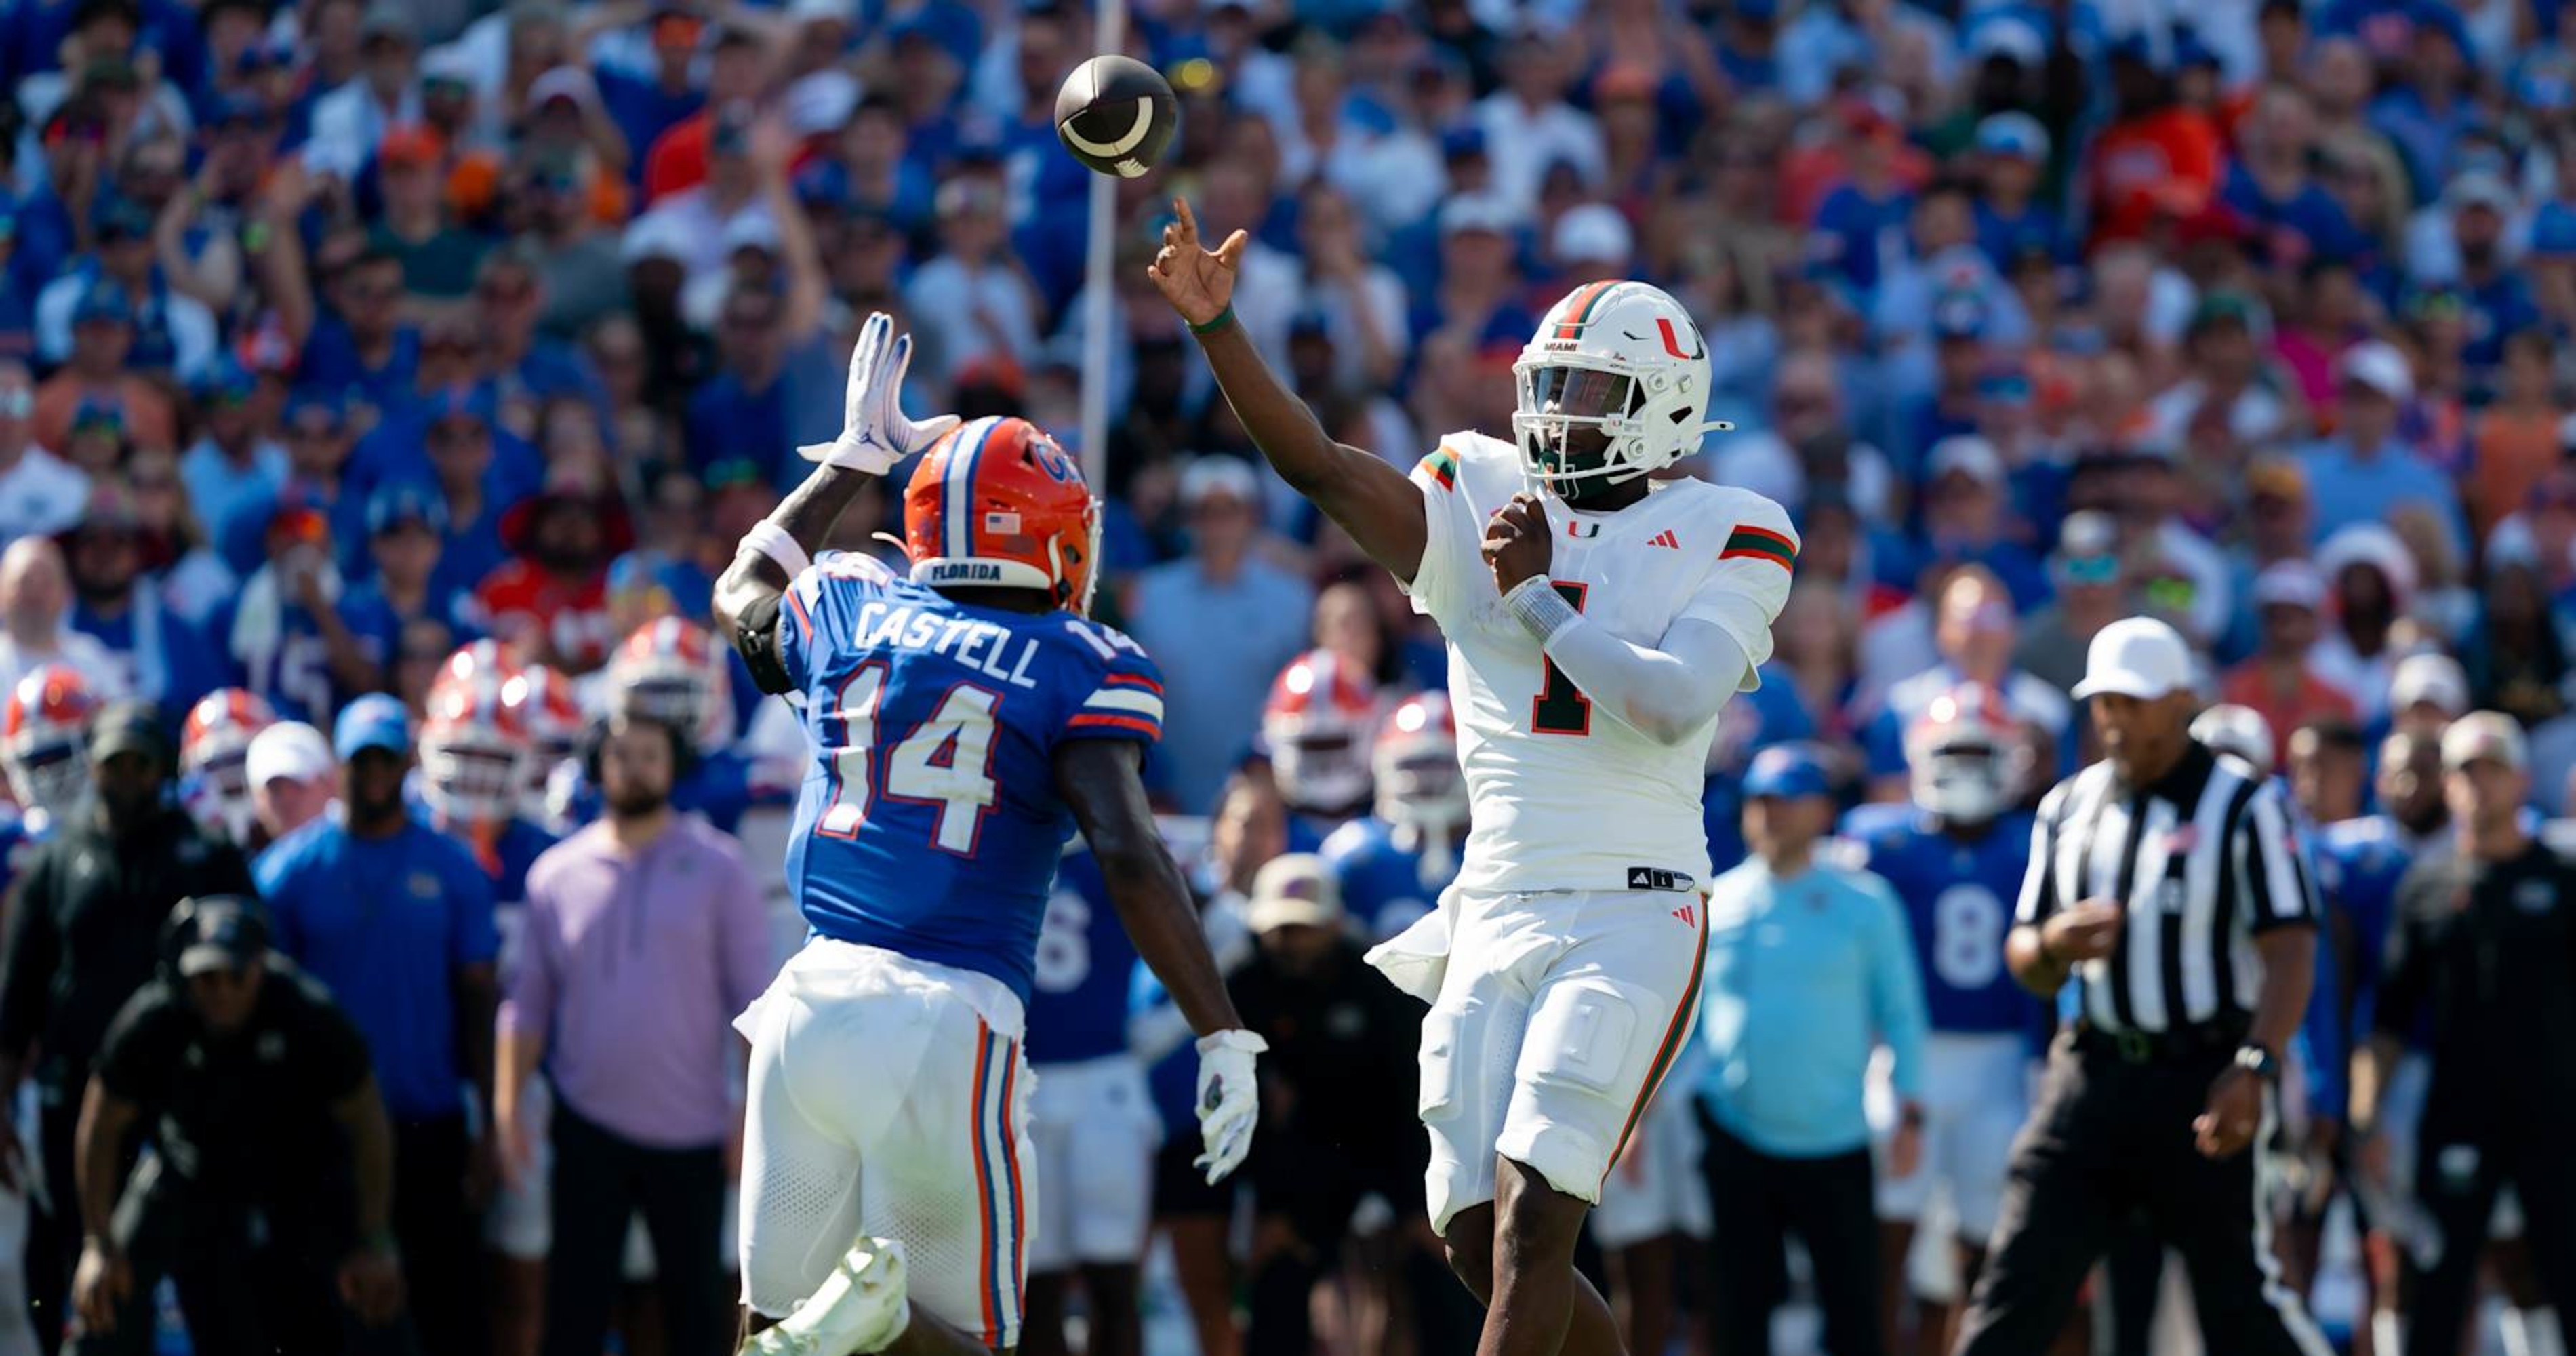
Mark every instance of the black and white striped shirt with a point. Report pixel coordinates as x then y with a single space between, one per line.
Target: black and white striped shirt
2201 860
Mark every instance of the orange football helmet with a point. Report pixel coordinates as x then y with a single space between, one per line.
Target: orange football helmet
997 502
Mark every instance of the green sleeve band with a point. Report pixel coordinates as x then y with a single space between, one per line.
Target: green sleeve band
1217 322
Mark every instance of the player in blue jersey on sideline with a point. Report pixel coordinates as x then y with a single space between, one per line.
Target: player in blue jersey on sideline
965 721
1393 863
1955 858
1092 1121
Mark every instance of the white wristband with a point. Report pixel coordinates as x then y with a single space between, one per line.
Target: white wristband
1540 609
775 542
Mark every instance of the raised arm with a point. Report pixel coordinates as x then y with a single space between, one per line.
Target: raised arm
874 436
1099 779
1372 500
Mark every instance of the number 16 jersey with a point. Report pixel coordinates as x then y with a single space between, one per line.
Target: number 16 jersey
1562 796
929 823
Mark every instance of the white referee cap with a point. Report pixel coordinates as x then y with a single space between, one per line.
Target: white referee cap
2136 657
2484 734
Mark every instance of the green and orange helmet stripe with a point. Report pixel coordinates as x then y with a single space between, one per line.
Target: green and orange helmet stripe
1579 309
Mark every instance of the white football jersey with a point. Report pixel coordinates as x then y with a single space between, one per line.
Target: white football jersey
1565 797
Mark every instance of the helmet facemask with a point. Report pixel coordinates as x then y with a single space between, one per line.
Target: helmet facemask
52 776
1964 781
469 778
1571 423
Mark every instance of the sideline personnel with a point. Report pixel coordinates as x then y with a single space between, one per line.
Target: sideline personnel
2168 887
2481 947
271 1185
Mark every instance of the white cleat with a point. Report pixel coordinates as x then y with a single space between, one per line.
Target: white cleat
861 1307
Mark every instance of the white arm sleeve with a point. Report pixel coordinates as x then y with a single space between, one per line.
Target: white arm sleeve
1665 694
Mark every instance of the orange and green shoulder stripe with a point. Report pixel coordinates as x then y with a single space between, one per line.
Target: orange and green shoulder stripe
1748 542
1442 466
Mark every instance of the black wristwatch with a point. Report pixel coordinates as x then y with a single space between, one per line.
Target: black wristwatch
2264 1064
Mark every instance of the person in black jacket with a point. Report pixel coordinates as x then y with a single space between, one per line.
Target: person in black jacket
82 937
1338 1093
2482 956
269 1196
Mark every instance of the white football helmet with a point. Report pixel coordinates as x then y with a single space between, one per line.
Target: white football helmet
673 671
1421 791
473 751
542 700
1965 757
44 740
1321 714
2240 730
1615 384
214 760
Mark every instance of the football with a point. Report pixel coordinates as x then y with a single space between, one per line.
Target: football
1116 114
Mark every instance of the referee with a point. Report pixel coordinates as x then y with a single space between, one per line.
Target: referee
2166 886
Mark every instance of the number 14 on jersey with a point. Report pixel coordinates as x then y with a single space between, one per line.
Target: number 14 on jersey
945 762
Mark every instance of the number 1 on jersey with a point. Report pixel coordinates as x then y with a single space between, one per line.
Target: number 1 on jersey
1561 707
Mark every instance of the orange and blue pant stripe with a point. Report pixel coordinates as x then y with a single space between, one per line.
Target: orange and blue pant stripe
999 1181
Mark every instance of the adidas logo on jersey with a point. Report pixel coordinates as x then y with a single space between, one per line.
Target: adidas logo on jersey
1688 915
1657 878
1665 538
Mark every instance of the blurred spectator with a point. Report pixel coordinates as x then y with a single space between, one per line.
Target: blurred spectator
282 634
551 598
631 1020
95 380
1964 516
2517 653
2281 682
233 461
2088 578
350 123
418 982
437 259
1789 1145
973 302
164 333
80 942
155 654
39 492
1215 691
2369 580
1975 635
2368 467
1530 114
35 620
179 557
293 777
2518 438
1336 1125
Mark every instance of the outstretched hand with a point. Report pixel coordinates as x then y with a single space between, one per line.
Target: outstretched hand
1197 281
875 432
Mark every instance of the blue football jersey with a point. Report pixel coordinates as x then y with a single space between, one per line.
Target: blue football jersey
2359 862
928 823
1958 895
1386 887
1086 969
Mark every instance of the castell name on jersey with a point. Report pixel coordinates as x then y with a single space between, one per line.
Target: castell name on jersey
979 645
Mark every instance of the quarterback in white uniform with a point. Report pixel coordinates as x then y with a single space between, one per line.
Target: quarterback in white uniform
1598 616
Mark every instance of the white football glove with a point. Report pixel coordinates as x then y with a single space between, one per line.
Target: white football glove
874 432
1229 1100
